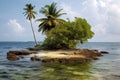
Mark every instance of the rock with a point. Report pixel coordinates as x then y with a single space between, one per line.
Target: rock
16 52
35 58
51 60
89 55
95 58
34 49
104 52
95 50
16 55
46 60
117 75
12 57
87 59
21 56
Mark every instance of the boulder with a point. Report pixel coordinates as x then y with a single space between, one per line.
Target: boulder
12 57
16 55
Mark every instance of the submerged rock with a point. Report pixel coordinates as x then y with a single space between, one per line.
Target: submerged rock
104 52
112 77
35 58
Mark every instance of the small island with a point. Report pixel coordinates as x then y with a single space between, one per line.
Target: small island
62 36
58 56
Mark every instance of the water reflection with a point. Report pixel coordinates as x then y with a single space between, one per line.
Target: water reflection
50 71
65 72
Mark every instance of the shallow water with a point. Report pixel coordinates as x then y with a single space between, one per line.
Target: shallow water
106 68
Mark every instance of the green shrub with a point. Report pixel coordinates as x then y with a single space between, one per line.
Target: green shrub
68 35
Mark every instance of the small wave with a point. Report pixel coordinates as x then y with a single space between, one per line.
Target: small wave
7 47
112 77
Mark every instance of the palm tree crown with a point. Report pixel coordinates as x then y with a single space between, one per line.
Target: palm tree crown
30 14
29 11
52 17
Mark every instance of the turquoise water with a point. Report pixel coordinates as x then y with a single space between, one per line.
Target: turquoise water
106 68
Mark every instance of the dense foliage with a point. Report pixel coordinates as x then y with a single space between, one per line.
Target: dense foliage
67 35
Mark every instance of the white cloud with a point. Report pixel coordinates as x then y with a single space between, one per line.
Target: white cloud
69 10
108 13
16 27
100 29
102 4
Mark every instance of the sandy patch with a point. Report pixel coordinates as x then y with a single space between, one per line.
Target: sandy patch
58 54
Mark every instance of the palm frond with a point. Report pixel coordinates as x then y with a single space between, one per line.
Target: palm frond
52 17
29 12
42 19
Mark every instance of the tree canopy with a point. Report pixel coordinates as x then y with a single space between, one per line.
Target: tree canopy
29 11
68 35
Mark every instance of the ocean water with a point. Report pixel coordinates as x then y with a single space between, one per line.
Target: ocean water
106 68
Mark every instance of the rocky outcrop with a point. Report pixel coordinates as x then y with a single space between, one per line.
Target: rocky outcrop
35 49
65 56
19 52
89 55
16 55
65 60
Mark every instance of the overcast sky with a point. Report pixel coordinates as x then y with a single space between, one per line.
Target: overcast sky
102 15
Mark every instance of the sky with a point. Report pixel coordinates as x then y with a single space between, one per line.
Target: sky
102 15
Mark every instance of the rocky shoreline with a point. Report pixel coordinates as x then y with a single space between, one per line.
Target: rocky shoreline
58 56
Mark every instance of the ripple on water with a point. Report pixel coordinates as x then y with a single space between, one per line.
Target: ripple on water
7 47
111 77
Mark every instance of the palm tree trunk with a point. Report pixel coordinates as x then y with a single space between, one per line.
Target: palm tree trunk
33 32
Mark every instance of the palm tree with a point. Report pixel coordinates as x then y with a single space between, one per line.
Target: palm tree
52 17
30 14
